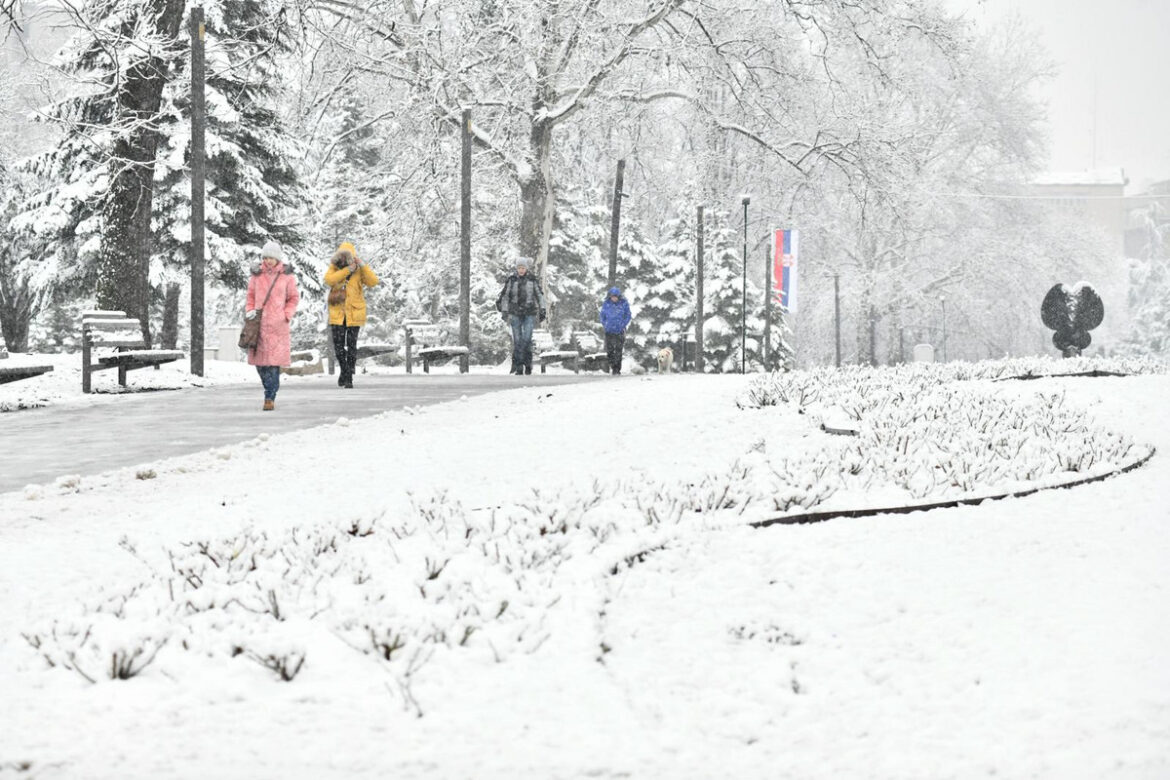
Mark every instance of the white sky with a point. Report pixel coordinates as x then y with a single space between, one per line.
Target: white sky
1116 45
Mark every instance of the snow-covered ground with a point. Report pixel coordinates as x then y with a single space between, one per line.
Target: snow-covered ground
553 603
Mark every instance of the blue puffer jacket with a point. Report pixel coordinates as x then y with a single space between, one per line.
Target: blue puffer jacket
615 317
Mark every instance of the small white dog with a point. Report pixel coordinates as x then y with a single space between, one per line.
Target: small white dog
665 360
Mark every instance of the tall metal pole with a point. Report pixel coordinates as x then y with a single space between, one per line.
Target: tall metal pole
767 304
943 300
743 305
615 224
837 313
465 243
198 120
699 292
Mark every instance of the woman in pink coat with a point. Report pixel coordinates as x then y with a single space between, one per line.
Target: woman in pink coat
272 289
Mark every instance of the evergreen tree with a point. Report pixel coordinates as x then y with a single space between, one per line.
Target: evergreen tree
666 297
116 214
724 338
577 267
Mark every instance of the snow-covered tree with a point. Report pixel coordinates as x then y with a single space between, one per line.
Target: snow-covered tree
118 194
1149 287
664 288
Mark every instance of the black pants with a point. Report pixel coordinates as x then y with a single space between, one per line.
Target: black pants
345 349
614 343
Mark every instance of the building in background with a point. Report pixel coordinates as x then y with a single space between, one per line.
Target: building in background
1147 209
1095 196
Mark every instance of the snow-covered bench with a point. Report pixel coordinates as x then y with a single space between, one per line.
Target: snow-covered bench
424 341
593 355
363 351
547 352
122 335
15 373
12 372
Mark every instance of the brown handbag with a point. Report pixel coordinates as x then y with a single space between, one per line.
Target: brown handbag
337 293
250 333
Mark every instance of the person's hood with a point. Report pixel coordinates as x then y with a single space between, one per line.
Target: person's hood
344 252
615 291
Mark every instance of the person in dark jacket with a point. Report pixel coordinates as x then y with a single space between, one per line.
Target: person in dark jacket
521 302
615 318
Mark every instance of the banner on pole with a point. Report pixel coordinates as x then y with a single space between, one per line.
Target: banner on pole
785 252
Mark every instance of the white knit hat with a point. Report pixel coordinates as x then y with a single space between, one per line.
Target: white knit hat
273 250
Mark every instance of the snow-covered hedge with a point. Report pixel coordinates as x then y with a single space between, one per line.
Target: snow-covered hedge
920 434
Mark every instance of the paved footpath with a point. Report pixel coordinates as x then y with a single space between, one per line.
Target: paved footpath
39 445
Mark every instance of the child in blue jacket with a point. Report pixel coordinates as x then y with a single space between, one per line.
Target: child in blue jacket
615 318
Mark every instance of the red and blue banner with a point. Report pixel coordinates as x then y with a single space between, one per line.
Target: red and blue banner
785 250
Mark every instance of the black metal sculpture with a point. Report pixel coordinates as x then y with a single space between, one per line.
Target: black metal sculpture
1072 315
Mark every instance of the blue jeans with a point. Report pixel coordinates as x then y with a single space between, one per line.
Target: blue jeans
270 378
522 325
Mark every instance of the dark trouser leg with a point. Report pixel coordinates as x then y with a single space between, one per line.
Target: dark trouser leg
339 352
529 322
517 323
614 343
351 337
270 379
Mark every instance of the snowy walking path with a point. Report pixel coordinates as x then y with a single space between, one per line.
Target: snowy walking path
40 445
1021 638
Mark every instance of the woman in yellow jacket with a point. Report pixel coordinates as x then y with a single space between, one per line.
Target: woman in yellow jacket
348 274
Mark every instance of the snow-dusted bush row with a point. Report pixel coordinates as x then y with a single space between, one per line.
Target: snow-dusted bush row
919 434
440 579
1037 366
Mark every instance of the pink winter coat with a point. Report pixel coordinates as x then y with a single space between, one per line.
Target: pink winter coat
275 342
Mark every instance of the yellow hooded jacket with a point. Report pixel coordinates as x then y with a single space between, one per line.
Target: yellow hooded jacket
352 311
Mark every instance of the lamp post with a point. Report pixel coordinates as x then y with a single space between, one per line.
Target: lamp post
198 187
837 314
942 299
743 306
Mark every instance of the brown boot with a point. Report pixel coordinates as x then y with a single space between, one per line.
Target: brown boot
269 405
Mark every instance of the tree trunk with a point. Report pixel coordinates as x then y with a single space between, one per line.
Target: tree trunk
124 267
538 202
15 313
170 325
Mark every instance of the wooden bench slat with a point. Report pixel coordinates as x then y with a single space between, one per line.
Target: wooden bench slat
16 373
443 351
111 325
124 343
143 355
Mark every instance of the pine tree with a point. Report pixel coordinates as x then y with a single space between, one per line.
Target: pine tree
116 217
577 267
667 288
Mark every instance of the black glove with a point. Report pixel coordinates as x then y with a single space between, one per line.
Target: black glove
543 315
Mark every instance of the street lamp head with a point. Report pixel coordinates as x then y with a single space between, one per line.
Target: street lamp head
746 199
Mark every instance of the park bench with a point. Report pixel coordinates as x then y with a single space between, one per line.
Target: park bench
363 351
122 337
591 349
15 372
425 342
547 352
